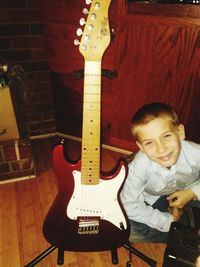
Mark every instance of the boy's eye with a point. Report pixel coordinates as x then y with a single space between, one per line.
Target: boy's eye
167 135
148 143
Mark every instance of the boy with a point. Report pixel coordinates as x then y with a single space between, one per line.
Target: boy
163 177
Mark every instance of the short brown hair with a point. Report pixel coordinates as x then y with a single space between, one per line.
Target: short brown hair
151 111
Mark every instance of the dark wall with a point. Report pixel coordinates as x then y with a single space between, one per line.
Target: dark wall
22 43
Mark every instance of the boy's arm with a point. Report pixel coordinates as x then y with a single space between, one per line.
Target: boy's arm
180 198
133 201
138 211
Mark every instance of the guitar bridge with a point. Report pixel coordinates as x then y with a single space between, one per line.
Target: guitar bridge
88 227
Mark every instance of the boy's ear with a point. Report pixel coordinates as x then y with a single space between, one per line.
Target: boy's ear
181 131
139 145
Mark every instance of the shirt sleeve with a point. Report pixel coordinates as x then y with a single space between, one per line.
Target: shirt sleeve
134 203
191 152
196 189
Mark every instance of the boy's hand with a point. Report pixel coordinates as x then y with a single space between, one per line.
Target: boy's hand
180 198
176 213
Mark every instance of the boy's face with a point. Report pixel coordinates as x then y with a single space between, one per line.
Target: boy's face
160 140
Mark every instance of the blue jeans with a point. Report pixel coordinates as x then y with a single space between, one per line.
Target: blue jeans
141 232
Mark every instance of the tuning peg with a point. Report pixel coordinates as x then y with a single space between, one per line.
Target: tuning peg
85 11
84 47
82 21
97 5
79 32
87 37
90 27
93 16
88 2
76 42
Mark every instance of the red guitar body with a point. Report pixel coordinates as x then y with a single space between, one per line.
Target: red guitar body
70 234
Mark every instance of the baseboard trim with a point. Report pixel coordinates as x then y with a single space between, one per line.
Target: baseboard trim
18 179
78 139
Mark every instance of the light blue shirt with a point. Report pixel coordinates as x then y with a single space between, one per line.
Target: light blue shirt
147 181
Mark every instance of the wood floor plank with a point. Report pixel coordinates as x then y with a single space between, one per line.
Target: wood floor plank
9 235
153 251
122 258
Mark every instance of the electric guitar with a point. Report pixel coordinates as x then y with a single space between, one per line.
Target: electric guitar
87 214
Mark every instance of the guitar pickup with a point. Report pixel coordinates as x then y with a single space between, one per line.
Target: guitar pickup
88 227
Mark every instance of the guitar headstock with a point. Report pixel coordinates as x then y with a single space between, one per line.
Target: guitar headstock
96 33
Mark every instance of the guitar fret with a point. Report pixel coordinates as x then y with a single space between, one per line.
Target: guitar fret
88 75
91 91
89 99
88 167
90 84
91 108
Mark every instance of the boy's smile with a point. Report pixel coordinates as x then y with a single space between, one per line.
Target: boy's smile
160 140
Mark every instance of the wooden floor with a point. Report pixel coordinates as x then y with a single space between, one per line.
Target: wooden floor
23 207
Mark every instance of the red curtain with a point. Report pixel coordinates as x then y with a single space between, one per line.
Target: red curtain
156 60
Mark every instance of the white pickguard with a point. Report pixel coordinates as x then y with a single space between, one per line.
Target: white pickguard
97 200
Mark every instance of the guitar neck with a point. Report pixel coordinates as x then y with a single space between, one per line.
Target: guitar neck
90 163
